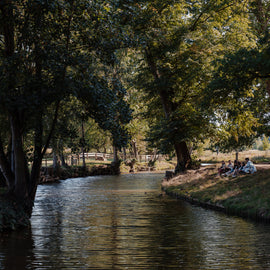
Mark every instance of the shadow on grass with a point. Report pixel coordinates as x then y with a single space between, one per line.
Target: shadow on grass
246 195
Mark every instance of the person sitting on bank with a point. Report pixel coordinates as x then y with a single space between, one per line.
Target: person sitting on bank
236 168
231 168
221 169
228 169
241 169
249 167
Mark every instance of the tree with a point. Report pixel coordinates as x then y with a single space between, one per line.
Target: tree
234 132
242 80
49 52
96 138
265 143
178 41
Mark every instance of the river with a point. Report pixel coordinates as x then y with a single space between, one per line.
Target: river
122 222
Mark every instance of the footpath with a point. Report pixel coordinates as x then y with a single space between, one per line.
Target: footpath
246 196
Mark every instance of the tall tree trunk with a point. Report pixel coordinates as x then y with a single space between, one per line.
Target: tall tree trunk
181 149
183 157
83 145
6 169
40 151
36 166
21 172
62 159
236 155
55 161
115 155
135 150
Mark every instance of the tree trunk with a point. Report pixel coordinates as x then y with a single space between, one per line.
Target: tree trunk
21 172
55 161
5 169
135 150
183 157
182 153
236 155
115 155
35 172
63 161
83 145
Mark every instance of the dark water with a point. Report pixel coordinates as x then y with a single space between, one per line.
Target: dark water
121 223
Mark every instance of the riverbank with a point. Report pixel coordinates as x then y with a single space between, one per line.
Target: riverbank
49 174
12 212
247 195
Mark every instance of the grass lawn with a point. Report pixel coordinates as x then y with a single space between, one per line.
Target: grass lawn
247 195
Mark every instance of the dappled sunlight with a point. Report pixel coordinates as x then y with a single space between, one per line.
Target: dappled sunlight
246 194
207 185
192 177
228 194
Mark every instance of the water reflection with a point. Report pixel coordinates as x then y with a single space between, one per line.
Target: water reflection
122 223
16 250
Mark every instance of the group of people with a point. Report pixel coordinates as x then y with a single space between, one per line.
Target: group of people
236 168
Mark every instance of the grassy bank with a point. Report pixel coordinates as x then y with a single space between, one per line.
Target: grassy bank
247 195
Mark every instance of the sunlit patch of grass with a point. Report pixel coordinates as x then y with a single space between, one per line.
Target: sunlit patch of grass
261 159
226 195
248 194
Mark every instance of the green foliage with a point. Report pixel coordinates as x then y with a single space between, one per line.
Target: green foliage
53 53
238 99
179 41
62 37
265 143
238 94
96 138
238 75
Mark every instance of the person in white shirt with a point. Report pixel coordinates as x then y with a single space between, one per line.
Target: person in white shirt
249 167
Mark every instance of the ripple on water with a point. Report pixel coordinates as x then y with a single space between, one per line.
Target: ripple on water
122 223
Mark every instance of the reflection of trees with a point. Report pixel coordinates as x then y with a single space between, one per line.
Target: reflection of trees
114 230
188 237
103 237
230 241
172 242
261 245
48 222
115 223
16 249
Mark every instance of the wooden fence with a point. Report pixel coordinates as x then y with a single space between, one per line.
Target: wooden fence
74 159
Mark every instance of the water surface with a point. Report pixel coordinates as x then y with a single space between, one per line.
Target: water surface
122 222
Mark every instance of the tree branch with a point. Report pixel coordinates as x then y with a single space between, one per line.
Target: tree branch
196 22
52 129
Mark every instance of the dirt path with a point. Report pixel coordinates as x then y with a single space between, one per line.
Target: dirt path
262 166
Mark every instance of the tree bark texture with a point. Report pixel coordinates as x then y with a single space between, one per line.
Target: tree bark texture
20 164
135 150
6 169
